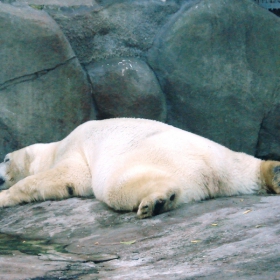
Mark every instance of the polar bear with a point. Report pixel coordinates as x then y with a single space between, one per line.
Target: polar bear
133 165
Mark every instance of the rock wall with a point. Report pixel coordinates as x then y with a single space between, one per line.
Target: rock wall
218 63
44 91
208 66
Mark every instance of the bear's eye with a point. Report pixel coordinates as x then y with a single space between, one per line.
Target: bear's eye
6 160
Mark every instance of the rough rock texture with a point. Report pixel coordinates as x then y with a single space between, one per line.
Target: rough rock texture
226 238
209 56
126 87
28 35
107 29
218 63
269 144
44 91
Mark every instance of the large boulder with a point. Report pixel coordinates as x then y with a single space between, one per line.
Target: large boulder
218 63
44 91
126 87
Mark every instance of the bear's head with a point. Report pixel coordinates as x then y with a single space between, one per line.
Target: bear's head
14 168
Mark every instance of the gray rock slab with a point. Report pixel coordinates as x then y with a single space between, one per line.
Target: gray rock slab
218 64
225 238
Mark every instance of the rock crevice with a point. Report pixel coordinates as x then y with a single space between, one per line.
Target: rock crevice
33 76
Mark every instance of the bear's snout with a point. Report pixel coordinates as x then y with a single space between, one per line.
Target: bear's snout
2 175
2 181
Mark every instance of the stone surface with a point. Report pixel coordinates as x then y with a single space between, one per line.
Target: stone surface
44 92
218 63
29 35
83 239
206 61
108 29
126 87
269 144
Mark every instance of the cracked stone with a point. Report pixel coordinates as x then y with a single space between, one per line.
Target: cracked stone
44 91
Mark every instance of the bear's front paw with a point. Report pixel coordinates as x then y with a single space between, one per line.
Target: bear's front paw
155 204
5 199
145 209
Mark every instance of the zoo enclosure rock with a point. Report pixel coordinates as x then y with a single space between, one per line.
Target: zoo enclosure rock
218 63
210 57
269 144
26 33
192 242
44 91
108 29
126 87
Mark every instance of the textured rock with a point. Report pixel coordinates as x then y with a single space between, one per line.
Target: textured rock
83 239
107 29
269 136
28 35
7 142
209 56
126 87
218 62
44 91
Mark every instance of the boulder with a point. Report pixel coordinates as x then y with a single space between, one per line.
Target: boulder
218 63
126 87
28 35
44 92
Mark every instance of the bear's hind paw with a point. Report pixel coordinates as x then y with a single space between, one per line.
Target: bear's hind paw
155 204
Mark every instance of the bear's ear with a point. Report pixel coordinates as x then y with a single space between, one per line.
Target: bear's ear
7 158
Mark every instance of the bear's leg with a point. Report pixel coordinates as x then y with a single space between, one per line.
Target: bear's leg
149 190
61 182
270 174
157 203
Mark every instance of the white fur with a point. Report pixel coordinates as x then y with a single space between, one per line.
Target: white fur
127 163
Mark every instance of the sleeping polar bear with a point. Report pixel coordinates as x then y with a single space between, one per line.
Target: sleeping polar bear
133 164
